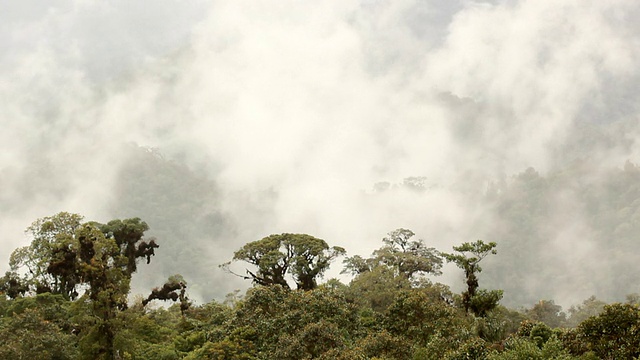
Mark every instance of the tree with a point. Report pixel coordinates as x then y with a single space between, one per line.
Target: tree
407 258
12 286
128 235
103 268
421 314
589 307
484 301
301 256
400 264
548 312
615 333
49 241
67 256
376 289
468 259
498 324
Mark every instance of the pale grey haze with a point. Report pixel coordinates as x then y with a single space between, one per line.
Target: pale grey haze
290 116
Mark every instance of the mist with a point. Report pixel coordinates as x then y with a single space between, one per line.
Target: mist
222 122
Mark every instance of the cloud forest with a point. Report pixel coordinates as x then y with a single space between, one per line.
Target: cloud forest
368 179
66 297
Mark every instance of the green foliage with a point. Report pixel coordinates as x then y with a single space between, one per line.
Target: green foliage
128 235
524 330
12 286
283 319
388 311
442 345
540 334
224 350
205 324
472 349
382 345
377 288
536 340
302 256
615 333
399 265
51 307
190 341
484 301
498 324
573 341
66 256
174 289
406 258
310 342
420 314
51 237
468 257
29 335
554 349
38 327
490 328
519 348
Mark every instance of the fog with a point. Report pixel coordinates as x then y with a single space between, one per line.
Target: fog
289 113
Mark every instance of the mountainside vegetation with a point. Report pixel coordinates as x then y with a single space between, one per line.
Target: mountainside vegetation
66 296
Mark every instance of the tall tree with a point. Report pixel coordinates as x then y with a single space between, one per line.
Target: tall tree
468 258
301 256
405 257
67 256
50 242
548 312
400 264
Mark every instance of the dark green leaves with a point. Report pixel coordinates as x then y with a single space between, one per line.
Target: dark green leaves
405 257
468 258
302 256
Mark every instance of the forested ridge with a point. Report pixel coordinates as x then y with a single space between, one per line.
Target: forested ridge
66 296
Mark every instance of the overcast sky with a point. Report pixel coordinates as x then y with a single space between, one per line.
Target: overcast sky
315 100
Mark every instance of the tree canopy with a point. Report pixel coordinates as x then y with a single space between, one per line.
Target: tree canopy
388 311
405 257
89 260
301 256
